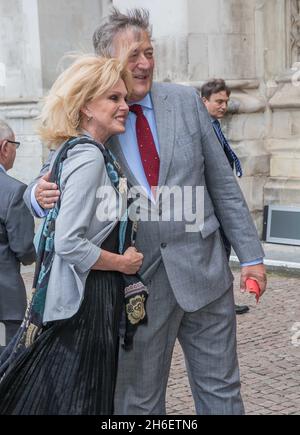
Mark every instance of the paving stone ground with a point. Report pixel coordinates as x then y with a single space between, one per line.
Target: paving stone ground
268 348
269 354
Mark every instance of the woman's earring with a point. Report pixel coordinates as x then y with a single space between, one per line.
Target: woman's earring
89 118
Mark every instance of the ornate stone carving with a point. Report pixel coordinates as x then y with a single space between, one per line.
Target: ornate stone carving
295 30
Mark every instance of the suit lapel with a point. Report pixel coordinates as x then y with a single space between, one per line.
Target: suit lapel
164 117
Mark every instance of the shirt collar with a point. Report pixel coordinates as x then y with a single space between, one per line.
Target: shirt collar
146 102
2 167
85 133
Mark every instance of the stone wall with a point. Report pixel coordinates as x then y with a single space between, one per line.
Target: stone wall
283 138
21 81
66 26
34 36
22 118
20 56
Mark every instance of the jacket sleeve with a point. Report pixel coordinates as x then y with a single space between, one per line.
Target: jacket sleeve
27 193
82 175
228 200
20 228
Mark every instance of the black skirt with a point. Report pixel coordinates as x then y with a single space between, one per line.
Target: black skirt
71 368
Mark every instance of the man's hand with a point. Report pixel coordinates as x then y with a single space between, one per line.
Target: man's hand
46 193
256 272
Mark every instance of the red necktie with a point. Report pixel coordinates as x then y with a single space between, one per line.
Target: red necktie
148 152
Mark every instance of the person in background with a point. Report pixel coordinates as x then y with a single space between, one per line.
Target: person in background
16 240
215 95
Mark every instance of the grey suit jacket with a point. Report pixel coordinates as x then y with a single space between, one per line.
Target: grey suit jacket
16 247
190 155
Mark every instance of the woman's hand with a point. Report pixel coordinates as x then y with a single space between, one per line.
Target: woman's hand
131 261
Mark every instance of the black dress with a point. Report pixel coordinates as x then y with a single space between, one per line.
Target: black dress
71 368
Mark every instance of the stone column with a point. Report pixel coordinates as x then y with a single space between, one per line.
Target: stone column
21 83
34 36
66 26
283 186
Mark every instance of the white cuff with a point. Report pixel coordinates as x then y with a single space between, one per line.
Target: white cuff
38 211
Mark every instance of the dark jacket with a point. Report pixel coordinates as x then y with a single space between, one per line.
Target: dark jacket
16 246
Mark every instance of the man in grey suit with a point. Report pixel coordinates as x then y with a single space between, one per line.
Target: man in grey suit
16 240
169 140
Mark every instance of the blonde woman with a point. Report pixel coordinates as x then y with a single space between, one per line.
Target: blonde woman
70 360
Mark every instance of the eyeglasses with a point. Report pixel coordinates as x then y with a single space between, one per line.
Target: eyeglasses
14 142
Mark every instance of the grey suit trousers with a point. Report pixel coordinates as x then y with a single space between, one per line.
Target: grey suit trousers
208 339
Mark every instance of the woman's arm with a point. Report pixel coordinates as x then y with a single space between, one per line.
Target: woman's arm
128 263
83 173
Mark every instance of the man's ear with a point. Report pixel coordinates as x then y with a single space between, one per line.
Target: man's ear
3 148
204 99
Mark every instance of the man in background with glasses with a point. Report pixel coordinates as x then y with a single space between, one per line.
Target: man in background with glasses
16 240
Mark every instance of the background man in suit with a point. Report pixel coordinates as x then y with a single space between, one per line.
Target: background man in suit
169 141
16 236
215 95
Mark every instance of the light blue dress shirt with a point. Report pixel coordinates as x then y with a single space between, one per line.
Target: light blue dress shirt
130 146
2 167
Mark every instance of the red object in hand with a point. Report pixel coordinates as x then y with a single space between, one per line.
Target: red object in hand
253 287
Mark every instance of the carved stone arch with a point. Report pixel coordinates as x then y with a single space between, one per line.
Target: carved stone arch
294 30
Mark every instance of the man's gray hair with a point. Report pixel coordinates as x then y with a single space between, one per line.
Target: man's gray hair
5 131
116 22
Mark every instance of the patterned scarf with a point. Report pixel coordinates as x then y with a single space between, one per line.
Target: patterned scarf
135 292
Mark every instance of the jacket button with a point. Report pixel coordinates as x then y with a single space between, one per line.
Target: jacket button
163 245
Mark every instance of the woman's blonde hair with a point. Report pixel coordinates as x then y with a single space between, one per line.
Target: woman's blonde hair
89 77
